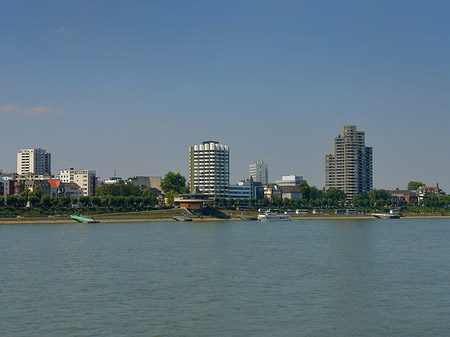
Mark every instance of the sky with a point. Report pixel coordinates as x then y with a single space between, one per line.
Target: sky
128 86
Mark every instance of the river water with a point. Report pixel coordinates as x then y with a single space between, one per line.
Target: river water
227 278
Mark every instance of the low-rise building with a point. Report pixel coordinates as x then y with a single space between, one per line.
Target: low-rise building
239 192
31 176
410 197
271 191
43 185
114 180
146 182
246 189
289 180
193 201
72 190
56 188
86 179
8 187
290 192
427 190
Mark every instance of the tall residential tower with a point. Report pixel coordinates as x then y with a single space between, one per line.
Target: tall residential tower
350 167
209 168
35 161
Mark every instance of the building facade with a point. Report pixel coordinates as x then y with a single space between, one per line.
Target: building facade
429 190
271 191
259 172
246 189
2 188
409 197
209 168
43 185
289 180
35 161
350 167
86 179
72 190
146 182
291 192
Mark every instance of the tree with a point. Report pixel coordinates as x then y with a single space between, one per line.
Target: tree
22 202
37 192
25 193
65 201
85 200
335 196
315 193
108 189
379 197
34 200
304 189
129 201
138 201
12 200
95 201
116 190
146 192
120 200
112 201
149 200
129 189
173 183
46 201
55 201
414 185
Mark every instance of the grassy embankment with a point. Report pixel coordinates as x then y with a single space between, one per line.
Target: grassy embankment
167 215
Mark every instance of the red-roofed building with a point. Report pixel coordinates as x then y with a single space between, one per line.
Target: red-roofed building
426 190
56 188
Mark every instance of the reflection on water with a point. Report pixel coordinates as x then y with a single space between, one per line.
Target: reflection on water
299 278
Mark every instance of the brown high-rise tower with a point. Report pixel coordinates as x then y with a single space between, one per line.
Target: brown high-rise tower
350 167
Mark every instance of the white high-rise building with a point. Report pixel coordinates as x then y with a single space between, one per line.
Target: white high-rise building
259 172
35 161
209 168
86 179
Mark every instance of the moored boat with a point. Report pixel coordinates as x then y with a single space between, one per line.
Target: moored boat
386 216
83 219
181 218
393 214
273 217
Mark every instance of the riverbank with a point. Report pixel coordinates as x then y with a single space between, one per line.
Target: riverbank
167 215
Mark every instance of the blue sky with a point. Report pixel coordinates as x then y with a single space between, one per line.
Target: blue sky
129 86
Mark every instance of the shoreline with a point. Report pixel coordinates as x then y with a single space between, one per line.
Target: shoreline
128 218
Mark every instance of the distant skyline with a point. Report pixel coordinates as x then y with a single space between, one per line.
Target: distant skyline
129 86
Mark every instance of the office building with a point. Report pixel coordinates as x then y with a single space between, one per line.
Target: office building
86 179
35 161
259 172
349 168
209 168
289 180
146 182
246 189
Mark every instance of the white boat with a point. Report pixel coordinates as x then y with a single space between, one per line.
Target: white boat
273 217
386 216
393 214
